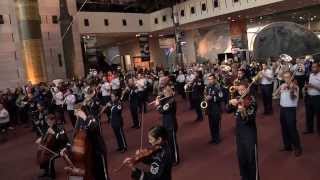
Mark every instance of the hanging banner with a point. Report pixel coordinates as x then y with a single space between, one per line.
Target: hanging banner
144 46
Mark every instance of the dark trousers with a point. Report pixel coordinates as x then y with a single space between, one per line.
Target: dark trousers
188 94
289 129
214 125
135 115
180 89
312 104
197 107
72 117
248 159
121 140
49 168
301 81
172 140
266 92
59 113
142 101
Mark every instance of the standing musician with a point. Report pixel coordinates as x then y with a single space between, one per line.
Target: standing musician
246 132
313 100
181 80
106 94
88 148
54 139
197 95
141 84
213 96
70 100
190 77
40 119
266 86
289 97
59 100
159 159
116 122
134 103
167 107
299 74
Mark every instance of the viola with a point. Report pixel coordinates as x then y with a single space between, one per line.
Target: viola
140 156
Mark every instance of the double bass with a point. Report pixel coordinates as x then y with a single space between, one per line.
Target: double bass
81 155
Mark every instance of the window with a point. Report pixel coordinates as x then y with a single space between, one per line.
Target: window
182 13
140 22
164 18
55 20
215 3
86 22
235 1
124 22
60 60
156 20
193 10
203 6
1 19
106 22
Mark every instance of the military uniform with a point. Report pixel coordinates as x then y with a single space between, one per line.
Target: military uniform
167 108
246 139
116 122
61 141
197 97
214 111
160 166
134 105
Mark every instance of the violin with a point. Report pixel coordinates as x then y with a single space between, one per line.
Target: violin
140 156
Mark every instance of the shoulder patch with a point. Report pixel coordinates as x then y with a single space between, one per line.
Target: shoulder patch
154 169
119 107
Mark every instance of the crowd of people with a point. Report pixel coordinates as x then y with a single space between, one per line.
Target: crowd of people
210 90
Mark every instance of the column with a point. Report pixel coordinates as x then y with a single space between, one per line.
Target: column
29 22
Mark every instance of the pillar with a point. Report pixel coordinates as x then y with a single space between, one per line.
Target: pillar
29 25
238 34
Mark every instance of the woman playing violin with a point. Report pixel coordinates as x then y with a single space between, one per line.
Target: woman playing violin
159 159
246 132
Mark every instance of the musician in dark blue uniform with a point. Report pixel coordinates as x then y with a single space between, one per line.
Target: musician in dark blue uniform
213 97
98 150
159 161
60 142
116 122
197 95
245 108
134 103
167 107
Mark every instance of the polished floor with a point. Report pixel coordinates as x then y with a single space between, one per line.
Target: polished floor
200 160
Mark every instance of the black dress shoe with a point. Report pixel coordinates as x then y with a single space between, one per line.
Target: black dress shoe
286 149
298 152
308 132
123 150
119 149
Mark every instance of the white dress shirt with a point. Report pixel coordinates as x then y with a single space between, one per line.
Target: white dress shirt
266 74
4 116
115 84
141 84
285 97
70 100
58 97
106 89
314 79
181 78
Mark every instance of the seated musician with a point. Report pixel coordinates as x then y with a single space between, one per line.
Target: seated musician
246 132
53 141
97 150
159 161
